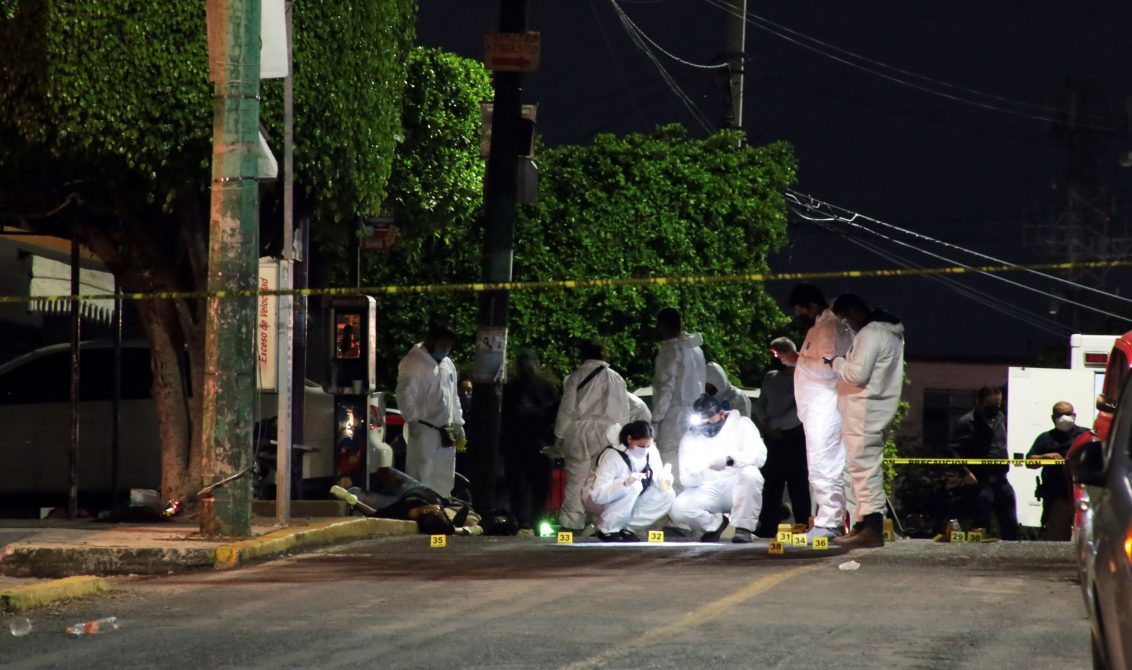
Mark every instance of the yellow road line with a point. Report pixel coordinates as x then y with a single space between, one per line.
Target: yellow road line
698 617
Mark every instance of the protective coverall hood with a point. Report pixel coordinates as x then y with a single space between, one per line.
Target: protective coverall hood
718 378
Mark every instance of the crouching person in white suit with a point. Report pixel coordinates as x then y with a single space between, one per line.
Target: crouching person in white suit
629 488
720 457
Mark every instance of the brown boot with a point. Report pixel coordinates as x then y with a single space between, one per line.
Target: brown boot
863 539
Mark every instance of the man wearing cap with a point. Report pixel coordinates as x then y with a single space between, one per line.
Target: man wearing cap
430 404
720 457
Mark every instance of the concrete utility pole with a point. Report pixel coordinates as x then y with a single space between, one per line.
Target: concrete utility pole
499 201
286 305
734 49
233 264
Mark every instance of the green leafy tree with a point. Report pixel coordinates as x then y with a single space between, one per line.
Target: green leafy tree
658 204
437 189
110 104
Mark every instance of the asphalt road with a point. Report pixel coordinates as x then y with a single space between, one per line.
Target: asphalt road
527 603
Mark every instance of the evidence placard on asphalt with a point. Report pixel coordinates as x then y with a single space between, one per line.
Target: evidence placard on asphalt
656 536
438 541
565 537
821 543
776 548
798 540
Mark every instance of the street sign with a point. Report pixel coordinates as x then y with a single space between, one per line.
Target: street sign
512 52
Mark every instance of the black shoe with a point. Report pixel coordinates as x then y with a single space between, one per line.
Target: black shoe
673 531
628 535
713 536
742 536
609 537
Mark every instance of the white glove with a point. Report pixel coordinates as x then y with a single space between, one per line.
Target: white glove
666 478
720 463
633 478
458 429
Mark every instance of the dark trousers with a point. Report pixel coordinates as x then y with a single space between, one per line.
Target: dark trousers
528 484
994 494
1057 518
785 469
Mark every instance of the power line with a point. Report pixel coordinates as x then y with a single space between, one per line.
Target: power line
768 27
702 66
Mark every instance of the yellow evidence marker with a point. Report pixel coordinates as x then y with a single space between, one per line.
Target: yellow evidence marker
785 536
565 537
656 536
888 534
798 540
438 541
821 543
958 536
975 535
776 548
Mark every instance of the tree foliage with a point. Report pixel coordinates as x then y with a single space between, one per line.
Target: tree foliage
437 189
110 102
642 205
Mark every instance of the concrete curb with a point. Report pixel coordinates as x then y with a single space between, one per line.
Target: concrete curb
290 539
53 561
24 598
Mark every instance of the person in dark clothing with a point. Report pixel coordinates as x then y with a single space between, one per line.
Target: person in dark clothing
530 405
777 419
1055 488
981 433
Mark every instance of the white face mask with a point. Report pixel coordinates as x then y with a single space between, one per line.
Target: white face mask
1065 422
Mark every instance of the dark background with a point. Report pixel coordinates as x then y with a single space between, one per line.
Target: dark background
981 178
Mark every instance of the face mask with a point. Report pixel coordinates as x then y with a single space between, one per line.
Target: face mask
711 429
439 355
1065 422
638 450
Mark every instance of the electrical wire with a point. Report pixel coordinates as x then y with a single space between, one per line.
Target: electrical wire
983 298
616 62
672 85
644 35
754 20
816 205
941 257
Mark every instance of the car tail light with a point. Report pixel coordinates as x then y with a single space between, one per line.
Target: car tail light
1128 546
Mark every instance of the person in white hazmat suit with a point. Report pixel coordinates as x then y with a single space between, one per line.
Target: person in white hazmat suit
720 458
678 380
593 399
869 380
429 402
629 488
815 393
638 409
720 386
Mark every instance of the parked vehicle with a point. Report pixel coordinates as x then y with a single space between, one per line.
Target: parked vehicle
1106 552
35 411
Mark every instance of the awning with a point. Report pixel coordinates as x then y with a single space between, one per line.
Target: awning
53 278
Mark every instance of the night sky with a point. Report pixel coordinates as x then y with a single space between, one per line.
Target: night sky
972 176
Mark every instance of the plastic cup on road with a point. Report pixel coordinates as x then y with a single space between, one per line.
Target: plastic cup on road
19 626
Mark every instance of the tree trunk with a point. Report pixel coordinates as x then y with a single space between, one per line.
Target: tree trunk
168 397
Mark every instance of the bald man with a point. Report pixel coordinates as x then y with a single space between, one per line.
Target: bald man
1055 488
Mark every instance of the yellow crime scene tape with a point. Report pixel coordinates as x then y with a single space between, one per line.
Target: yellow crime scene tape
974 461
566 284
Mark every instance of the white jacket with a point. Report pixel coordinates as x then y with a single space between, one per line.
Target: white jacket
606 482
871 376
827 338
638 409
585 415
679 376
727 393
426 390
738 439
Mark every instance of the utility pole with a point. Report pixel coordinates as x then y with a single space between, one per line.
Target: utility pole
286 305
233 265
499 202
734 49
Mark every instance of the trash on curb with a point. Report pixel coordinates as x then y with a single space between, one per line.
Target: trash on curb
19 626
104 625
848 566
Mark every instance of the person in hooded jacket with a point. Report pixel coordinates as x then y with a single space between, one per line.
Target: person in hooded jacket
720 459
678 380
629 488
869 379
720 386
428 400
815 392
593 399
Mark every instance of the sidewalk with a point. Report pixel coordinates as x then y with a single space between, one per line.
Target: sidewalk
46 561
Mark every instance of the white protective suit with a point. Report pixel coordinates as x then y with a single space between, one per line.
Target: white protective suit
638 409
728 394
584 416
616 506
815 393
677 381
426 392
870 378
711 487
